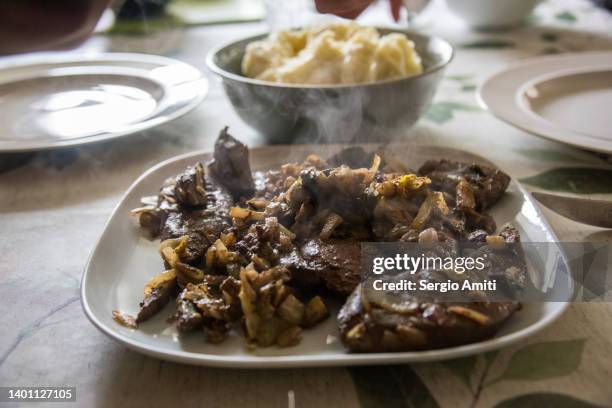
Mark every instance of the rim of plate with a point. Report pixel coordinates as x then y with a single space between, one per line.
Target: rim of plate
501 95
523 105
287 361
198 86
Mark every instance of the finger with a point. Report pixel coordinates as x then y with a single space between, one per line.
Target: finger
351 15
396 7
342 7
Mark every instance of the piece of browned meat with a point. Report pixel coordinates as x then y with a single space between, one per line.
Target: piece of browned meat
192 204
230 166
304 273
156 300
335 262
212 305
406 320
196 203
187 315
203 227
475 186
367 327
189 188
504 259
340 190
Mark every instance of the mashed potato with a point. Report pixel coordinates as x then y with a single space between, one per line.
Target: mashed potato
340 53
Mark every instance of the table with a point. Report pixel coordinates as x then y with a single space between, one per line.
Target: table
53 206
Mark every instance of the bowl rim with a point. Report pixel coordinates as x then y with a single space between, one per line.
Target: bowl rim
213 67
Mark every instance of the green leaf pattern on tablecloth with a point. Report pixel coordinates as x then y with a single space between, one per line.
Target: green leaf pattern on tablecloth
390 386
465 82
490 356
566 16
533 19
578 180
491 44
544 360
442 112
465 369
400 386
460 78
544 399
462 368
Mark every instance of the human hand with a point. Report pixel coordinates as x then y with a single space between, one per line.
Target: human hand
353 8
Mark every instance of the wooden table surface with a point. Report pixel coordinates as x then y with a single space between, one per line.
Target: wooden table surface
53 206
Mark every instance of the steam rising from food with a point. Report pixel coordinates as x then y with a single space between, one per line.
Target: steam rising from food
337 53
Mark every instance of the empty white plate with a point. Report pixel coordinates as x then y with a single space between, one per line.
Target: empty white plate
123 261
566 98
56 100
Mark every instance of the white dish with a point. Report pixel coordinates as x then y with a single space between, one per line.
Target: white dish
565 98
58 100
123 261
492 14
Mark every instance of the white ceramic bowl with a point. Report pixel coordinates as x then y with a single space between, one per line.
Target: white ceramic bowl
492 14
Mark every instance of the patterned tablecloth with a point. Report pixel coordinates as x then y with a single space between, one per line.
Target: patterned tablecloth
53 206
